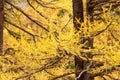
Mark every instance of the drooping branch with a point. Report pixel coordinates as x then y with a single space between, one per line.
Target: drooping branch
50 2
47 65
66 74
14 34
36 10
116 39
101 31
13 24
45 6
36 22
101 73
97 5
94 3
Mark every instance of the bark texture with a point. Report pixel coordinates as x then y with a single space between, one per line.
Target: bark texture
78 14
84 13
1 24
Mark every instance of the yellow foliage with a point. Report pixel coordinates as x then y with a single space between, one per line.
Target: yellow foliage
61 41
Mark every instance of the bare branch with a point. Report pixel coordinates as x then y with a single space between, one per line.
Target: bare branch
116 39
37 23
11 23
55 78
101 73
50 2
14 34
49 64
94 3
49 72
36 10
45 6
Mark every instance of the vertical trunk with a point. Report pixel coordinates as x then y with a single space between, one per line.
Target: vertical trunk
78 14
84 13
1 24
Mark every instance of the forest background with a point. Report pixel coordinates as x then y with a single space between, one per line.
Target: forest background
48 40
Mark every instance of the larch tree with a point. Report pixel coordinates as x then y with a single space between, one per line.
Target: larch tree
83 11
83 17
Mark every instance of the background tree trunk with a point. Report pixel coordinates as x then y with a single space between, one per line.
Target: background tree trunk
1 24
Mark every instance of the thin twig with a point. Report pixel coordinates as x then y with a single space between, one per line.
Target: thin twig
19 9
13 24
45 6
85 70
49 64
36 10
66 74
99 32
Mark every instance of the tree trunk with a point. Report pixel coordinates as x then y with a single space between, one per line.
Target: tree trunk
1 24
78 14
84 13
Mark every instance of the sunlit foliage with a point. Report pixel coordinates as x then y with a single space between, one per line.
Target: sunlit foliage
27 54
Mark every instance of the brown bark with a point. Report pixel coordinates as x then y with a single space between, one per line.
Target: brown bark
1 24
84 13
25 14
78 14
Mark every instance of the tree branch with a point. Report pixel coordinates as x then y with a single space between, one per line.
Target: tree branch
14 34
17 8
101 73
94 3
11 23
99 32
55 78
47 6
36 10
116 39
85 70
49 64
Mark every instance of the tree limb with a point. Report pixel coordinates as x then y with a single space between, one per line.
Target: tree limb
99 32
85 70
19 9
49 64
11 23
55 78
36 10
47 6
94 3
